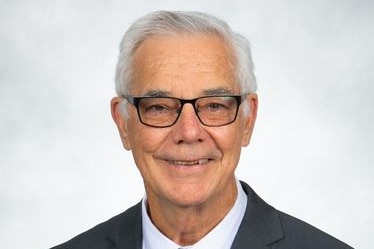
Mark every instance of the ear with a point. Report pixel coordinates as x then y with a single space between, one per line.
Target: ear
250 118
121 122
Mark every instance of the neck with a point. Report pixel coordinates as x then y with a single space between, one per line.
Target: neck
185 225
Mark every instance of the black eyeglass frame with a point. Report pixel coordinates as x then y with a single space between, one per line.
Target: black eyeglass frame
135 101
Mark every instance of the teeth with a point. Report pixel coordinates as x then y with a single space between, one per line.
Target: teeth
203 161
189 163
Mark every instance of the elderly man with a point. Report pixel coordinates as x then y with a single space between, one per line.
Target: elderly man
186 105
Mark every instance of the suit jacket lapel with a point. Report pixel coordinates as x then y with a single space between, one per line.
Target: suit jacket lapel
260 226
128 231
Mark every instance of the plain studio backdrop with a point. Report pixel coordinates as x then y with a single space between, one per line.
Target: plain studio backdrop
62 165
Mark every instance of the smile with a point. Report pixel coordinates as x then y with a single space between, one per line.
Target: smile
189 163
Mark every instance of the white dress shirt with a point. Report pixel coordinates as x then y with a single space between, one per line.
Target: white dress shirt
220 237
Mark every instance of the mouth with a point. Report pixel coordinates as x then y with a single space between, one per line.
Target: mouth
189 162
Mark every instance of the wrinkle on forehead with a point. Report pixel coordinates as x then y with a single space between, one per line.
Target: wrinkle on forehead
197 60
174 64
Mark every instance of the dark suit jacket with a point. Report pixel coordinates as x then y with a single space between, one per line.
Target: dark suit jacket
262 227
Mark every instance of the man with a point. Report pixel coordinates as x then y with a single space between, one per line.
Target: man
186 105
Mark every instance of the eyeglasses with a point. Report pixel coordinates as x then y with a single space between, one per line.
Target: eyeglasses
163 112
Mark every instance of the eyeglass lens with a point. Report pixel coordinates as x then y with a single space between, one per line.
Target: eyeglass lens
164 111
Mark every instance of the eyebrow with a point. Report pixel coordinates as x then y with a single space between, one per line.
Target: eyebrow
157 93
217 91
208 92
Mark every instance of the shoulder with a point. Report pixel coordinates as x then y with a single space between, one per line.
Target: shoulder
299 234
107 234
265 225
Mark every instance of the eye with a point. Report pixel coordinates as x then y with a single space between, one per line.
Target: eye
215 106
156 108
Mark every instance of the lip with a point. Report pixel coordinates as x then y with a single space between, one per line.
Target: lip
188 163
184 162
187 168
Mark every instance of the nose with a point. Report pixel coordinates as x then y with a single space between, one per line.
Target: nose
188 128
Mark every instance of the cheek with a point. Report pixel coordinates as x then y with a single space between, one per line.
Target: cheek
145 139
229 141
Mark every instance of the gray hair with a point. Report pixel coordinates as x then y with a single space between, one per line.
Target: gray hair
179 22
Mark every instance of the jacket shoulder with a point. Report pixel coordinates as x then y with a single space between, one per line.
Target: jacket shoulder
299 234
265 226
108 234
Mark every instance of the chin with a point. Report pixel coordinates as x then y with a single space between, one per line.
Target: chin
191 195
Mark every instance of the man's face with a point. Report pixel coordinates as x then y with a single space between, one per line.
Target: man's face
188 163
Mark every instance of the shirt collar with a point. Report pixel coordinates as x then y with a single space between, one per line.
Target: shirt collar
221 237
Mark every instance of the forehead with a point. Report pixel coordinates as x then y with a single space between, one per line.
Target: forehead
183 65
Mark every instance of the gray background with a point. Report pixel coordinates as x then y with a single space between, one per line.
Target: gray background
63 169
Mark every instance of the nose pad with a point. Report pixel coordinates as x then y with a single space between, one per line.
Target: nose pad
188 113
188 127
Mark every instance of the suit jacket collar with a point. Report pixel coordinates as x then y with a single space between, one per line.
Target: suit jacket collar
259 217
128 230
